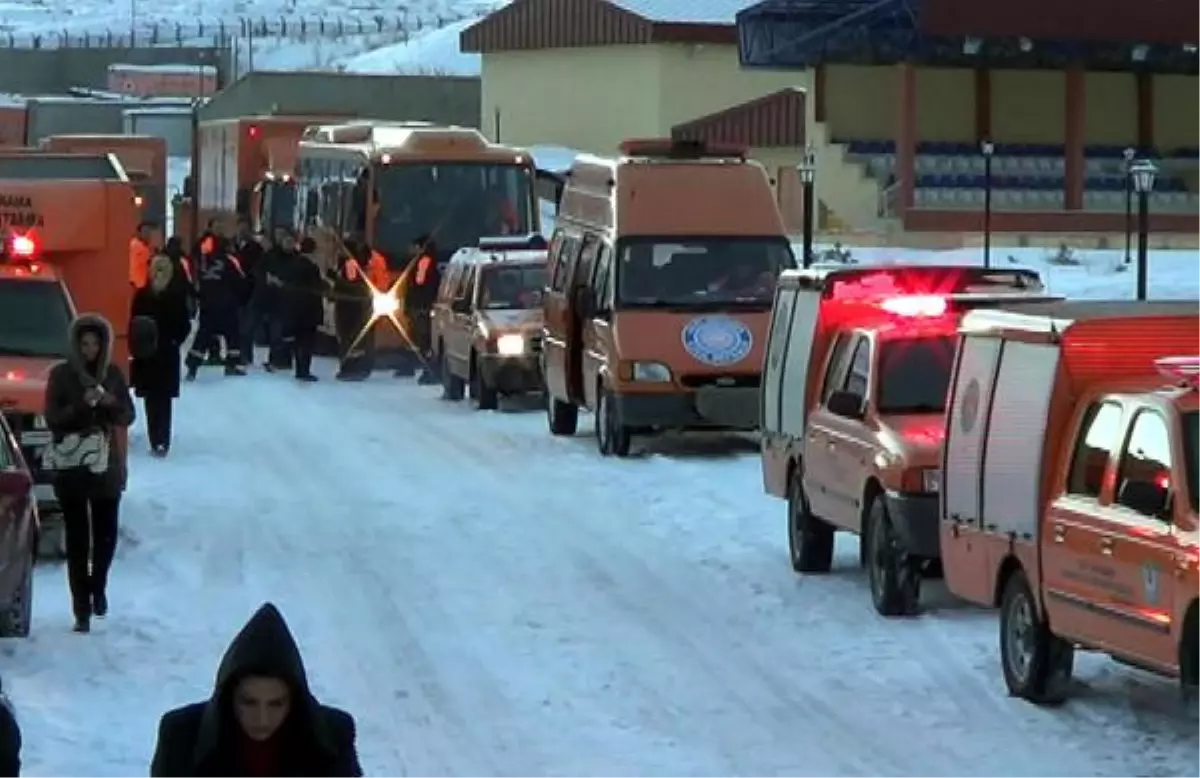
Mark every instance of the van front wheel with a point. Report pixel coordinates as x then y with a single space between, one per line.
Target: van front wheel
1037 663
612 437
562 418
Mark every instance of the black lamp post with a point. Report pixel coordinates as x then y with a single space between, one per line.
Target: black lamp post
808 173
987 148
1143 172
1129 153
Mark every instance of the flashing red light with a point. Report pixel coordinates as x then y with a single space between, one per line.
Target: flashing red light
22 246
1163 481
252 130
14 375
918 306
1182 369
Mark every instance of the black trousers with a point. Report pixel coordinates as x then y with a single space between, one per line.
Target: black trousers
90 522
213 324
303 343
158 418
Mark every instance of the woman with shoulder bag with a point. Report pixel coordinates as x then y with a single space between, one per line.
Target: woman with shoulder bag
88 409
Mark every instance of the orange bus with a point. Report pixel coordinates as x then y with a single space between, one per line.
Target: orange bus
392 183
65 222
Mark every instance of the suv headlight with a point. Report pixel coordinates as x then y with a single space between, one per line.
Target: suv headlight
651 372
39 422
931 479
510 345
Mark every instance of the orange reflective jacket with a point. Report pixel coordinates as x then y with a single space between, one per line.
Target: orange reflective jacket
377 271
424 270
139 263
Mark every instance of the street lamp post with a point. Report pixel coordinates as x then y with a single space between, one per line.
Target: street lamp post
1129 153
1143 173
808 174
987 148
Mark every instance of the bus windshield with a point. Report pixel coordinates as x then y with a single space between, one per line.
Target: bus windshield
34 319
698 272
455 203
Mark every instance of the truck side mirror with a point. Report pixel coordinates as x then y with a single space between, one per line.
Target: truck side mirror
461 305
845 404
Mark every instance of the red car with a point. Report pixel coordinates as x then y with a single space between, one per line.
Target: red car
18 537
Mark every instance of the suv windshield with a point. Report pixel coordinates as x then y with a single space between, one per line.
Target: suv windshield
1191 433
519 286
34 319
456 202
914 374
690 272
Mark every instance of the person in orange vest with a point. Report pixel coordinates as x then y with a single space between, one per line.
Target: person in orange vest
141 251
352 311
183 274
424 277
221 282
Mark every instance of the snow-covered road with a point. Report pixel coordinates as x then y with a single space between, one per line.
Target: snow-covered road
487 599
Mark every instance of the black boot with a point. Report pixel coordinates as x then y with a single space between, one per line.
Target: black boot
83 616
100 604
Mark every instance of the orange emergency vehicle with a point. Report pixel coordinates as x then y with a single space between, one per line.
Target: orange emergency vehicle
854 387
662 268
243 170
1069 491
391 183
65 221
144 158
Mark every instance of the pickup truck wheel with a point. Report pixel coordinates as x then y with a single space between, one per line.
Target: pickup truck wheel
485 396
16 615
612 437
895 579
1037 664
1189 652
810 539
452 386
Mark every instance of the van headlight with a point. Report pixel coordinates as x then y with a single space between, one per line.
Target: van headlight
655 372
931 480
510 345
39 422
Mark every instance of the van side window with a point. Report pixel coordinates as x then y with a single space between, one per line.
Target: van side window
839 358
462 288
449 282
553 252
564 266
585 268
1097 439
860 368
601 279
1144 475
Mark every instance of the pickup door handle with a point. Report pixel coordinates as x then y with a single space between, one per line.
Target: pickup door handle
1060 533
1106 546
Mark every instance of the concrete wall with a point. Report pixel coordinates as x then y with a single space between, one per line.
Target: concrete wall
1027 106
443 99
54 71
630 91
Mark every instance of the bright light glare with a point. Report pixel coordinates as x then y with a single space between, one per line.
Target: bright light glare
510 345
384 304
915 305
23 246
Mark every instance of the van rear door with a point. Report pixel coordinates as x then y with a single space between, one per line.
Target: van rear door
798 362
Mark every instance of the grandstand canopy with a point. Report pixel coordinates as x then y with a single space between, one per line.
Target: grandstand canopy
1113 35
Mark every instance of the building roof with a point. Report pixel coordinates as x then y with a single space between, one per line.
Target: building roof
526 25
771 121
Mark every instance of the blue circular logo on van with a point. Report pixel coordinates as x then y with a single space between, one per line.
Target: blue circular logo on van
717 340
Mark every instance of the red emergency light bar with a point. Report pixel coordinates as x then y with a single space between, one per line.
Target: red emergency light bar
923 306
1185 370
22 247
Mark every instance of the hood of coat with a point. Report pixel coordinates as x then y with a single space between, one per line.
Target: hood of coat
263 647
162 272
91 322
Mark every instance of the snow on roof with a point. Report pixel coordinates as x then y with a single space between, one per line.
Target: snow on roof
684 11
10 101
431 53
176 69
556 159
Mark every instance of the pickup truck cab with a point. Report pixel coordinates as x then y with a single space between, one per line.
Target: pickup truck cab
1069 496
857 367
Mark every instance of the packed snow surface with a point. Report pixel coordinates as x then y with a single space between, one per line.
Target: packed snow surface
488 599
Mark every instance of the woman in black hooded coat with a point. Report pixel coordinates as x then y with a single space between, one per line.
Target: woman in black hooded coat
261 720
87 398
155 376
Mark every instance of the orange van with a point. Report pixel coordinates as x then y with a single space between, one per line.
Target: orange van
1069 494
858 364
662 268
65 222
144 158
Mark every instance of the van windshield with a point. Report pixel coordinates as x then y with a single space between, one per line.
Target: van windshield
517 287
914 374
1191 433
456 203
698 272
34 319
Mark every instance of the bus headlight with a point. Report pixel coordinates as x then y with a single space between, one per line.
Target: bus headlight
510 345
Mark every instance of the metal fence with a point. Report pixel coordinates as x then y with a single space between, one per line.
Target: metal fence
224 33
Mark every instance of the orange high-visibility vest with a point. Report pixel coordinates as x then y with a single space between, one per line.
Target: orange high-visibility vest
187 269
237 265
352 270
378 272
424 266
139 263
